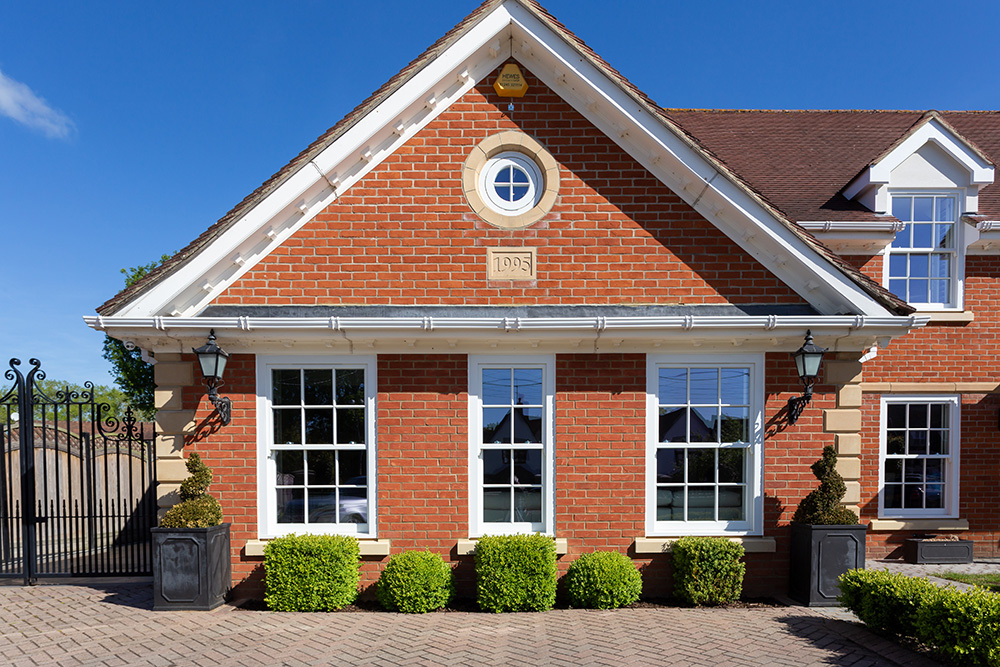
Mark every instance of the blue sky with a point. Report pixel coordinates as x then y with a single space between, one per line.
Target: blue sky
127 128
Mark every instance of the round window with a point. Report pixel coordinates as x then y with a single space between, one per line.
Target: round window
511 183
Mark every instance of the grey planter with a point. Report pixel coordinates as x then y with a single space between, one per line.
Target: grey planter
819 555
191 567
917 550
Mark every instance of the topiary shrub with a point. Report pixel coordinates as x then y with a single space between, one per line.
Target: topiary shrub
963 626
822 506
311 572
887 602
603 580
415 582
516 573
197 509
707 570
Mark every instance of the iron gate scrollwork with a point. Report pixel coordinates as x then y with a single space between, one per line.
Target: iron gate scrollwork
77 483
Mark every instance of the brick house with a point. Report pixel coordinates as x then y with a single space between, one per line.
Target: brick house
458 314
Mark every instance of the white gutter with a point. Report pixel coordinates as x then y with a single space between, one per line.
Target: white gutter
735 324
888 226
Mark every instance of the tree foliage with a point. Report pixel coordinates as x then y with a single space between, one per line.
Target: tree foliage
133 375
67 395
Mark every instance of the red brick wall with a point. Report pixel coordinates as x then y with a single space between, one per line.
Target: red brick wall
405 234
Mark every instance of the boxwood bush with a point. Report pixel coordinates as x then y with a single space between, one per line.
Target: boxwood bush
311 572
707 570
963 626
603 580
415 582
516 573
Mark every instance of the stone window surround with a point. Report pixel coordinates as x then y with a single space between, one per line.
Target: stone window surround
510 141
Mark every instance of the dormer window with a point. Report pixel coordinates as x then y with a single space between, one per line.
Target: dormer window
924 262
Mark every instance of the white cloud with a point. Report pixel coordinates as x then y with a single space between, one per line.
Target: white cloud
19 103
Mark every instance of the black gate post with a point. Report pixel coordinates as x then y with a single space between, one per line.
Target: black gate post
26 432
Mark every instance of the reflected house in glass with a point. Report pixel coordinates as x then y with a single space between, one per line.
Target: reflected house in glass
446 320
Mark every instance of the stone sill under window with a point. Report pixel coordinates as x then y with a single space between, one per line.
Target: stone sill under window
949 316
934 525
255 548
659 545
468 547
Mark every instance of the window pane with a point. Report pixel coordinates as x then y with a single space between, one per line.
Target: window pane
322 466
939 290
705 385
902 238
528 505
673 386
285 387
701 503
934 470
319 387
496 386
350 386
919 266
289 468
735 425
350 426
923 236
913 496
496 425
528 386
913 471
898 287
670 504
291 505
518 175
918 415
940 266
944 236
322 506
731 504
354 505
670 465
934 496
288 426
353 468
528 425
896 415
496 505
893 471
897 266
319 426
703 421
895 442
527 466
893 496
701 465
901 208
731 465
673 424
945 208
496 466
923 208
938 442
919 291
916 442
518 192
736 386
939 415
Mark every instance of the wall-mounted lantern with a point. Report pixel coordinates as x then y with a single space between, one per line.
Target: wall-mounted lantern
212 359
807 362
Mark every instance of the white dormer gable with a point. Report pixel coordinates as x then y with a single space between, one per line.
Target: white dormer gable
932 156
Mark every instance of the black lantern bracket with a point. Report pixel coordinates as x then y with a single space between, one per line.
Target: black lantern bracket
212 360
807 362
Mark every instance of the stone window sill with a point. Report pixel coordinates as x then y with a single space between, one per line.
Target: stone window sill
255 548
658 545
467 547
880 525
949 316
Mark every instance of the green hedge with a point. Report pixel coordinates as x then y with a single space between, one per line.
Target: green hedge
603 580
707 570
415 582
516 573
311 572
963 626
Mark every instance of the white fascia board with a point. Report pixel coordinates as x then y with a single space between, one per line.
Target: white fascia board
657 147
404 334
332 172
980 171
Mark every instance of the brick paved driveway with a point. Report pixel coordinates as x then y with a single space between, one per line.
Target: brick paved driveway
114 625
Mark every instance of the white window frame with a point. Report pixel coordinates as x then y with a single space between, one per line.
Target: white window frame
952 463
754 523
957 287
477 527
535 183
267 524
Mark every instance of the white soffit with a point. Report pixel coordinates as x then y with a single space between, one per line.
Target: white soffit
980 171
445 79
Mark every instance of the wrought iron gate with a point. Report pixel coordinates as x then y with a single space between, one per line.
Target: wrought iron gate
77 484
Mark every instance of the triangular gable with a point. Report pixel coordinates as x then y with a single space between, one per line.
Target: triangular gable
934 135
496 31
